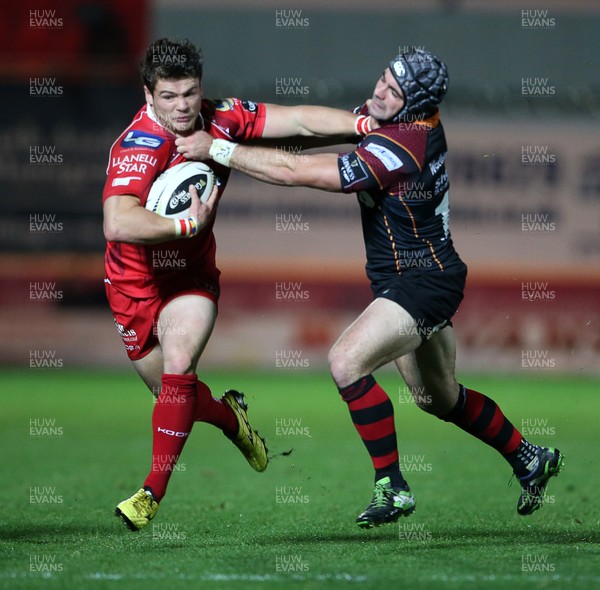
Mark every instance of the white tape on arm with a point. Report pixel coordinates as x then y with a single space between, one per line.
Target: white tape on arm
221 151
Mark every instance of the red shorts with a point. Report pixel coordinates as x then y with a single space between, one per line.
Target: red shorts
136 319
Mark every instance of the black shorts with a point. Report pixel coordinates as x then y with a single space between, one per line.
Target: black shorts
430 297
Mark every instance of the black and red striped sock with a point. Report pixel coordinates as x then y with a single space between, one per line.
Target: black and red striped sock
481 417
372 413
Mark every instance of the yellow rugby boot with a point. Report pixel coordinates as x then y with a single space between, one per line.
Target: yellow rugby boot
136 512
247 439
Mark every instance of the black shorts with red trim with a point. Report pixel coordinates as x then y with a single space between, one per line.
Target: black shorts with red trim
431 297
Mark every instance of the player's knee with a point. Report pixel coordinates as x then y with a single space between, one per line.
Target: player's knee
335 366
342 367
178 364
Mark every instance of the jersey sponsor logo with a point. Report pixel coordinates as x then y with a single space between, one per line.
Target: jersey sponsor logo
388 158
124 181
249 106
141 139
225 104
133 163
352 169
441 184
436 164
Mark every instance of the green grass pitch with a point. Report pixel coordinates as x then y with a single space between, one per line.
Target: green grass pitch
76 443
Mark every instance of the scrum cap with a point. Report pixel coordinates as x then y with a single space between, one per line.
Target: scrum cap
423 78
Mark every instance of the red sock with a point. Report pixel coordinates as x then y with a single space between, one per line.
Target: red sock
172 422
214 411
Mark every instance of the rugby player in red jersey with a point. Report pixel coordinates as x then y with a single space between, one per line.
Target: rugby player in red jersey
162 282
417 278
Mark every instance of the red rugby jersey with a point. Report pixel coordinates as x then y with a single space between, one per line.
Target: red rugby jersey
139 155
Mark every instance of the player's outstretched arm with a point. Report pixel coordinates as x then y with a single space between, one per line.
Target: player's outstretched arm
125 220
269 165
313 121
308 121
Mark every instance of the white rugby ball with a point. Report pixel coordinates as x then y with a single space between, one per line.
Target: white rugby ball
169 195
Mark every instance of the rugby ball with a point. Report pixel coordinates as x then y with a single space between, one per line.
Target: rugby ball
169 195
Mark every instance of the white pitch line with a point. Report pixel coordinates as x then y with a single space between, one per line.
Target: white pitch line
339 577
512 578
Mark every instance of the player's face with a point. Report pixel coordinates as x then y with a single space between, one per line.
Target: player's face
176 103
388 97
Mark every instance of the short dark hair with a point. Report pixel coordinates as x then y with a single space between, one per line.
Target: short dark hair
166 58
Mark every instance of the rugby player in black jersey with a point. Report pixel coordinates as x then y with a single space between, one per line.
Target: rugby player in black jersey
417 278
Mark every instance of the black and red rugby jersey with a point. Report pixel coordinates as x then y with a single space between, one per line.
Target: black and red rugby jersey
398 172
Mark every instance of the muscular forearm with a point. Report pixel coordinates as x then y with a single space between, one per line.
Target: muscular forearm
282 168
310 121
263 164
139 226
324 121
126 221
